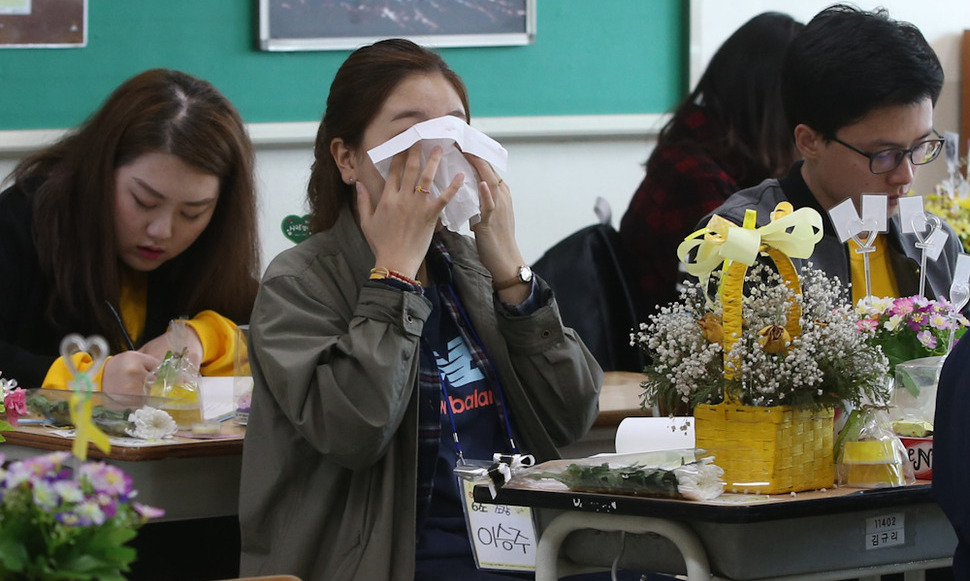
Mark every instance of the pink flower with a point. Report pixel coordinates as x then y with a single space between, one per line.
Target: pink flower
867 324
903 306
16 403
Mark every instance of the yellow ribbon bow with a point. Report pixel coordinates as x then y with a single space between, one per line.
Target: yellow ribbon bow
794 233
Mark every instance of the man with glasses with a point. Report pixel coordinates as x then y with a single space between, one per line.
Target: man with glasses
859 90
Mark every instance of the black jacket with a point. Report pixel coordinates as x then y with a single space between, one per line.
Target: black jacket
30 337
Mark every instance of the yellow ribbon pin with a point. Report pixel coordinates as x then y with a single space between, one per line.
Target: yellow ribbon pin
81 406
85 429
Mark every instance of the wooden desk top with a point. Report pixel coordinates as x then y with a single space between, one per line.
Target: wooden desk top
42 438
620 398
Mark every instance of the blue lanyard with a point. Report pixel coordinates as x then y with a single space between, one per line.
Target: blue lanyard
497 388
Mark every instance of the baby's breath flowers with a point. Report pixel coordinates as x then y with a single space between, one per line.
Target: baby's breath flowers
830 362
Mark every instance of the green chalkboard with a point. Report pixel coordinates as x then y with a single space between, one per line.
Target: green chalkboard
590 57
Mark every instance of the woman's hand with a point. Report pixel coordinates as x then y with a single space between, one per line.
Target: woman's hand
126 372
495 233
400 227
159 346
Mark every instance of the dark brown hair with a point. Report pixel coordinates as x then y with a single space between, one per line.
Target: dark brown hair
359 90
740 91
72 184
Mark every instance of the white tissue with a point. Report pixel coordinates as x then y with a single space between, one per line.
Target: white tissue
454 136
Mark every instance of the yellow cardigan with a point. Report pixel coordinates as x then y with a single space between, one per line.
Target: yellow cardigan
217 334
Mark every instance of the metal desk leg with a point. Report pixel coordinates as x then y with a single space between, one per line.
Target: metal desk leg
547 553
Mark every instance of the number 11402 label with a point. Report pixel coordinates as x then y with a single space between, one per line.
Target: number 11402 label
886 530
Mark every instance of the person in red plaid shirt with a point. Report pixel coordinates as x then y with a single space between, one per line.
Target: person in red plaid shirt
729 133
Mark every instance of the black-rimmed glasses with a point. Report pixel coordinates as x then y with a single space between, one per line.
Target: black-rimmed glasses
886 160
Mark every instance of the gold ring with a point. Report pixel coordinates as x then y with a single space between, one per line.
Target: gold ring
422 190
500 182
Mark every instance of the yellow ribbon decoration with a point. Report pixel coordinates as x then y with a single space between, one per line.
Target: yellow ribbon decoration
794 233
80 404
85 429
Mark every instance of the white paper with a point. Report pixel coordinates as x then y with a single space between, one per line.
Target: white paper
455 137
910 208
217 400
934 246
875 208
650 434
845 219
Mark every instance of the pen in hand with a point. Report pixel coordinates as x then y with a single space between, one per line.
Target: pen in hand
121 325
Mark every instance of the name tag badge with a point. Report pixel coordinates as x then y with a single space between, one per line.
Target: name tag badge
503 537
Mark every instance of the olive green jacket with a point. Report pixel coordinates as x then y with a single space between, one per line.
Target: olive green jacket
329 463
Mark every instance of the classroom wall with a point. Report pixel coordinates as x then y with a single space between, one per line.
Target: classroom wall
592 140
941 21
577 109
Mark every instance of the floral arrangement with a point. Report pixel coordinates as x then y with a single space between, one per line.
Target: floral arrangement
951 201
910 327
13 404
828 363
956 213
64 523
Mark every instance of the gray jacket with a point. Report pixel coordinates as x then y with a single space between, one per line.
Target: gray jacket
329 464
832 256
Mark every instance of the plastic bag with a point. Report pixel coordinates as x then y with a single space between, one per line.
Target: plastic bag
914 396
176 379
661 474
868 454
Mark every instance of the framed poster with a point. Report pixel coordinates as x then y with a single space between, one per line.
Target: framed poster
43 23
287 25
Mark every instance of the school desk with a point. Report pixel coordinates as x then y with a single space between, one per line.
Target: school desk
840 533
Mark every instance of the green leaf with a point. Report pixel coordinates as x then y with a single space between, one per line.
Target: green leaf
4 427
13 553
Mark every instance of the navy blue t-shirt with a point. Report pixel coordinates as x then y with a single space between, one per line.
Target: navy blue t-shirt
480 433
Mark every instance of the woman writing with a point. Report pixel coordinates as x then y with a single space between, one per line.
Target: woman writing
143 214
384 344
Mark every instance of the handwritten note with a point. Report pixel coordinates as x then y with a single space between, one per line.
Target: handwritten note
503 537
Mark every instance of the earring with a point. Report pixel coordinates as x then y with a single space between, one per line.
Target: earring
351 180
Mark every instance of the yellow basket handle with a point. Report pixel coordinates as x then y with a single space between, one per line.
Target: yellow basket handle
732 300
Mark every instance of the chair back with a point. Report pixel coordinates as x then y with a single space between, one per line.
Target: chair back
588 274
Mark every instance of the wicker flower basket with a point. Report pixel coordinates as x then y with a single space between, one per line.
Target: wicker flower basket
768 450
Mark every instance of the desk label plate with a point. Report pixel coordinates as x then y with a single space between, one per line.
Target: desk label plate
503 537
887 530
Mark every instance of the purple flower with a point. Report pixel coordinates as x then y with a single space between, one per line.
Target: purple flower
148 512
927 338
106 478
916 321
